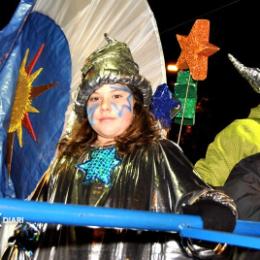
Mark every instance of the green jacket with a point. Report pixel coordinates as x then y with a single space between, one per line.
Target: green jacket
238 140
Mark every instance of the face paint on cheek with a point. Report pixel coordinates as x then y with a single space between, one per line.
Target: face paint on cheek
130 101
91 109
119 109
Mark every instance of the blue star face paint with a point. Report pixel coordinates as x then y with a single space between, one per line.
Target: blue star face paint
110 110
125 106
90 110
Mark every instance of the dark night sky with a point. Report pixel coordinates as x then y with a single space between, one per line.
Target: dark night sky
224 95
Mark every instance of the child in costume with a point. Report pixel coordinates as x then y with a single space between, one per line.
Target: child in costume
238 140
115 158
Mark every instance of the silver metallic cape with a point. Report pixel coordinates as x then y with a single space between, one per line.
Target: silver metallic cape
156 178
140 182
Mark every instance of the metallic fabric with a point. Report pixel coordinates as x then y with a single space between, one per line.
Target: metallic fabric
216 196
252 75
110 64
157 178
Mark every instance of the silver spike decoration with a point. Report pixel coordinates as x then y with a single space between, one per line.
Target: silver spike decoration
252 75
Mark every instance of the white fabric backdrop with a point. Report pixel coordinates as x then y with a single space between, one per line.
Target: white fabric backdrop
84 23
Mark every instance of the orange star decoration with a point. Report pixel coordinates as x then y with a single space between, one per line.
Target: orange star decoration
195 50
22 104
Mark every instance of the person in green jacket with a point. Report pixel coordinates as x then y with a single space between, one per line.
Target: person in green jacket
238 140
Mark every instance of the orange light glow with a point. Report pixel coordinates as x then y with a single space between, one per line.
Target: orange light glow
172 68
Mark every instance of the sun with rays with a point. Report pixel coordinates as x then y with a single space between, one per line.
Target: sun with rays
25 92
22 104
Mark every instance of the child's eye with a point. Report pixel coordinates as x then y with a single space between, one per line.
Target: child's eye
116 96
94 99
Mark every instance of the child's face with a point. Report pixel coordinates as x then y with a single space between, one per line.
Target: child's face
110 110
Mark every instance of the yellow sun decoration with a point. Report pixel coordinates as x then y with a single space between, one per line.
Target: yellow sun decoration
22 104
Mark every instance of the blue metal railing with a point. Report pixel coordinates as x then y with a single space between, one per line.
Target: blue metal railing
246 233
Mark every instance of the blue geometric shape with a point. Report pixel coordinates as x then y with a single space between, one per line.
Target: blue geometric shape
100 165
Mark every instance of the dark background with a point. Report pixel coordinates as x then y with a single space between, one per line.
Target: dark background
224 95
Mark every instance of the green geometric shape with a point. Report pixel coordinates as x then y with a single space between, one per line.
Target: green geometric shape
189 113
180 93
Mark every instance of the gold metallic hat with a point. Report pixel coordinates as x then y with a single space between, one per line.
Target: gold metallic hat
110 64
